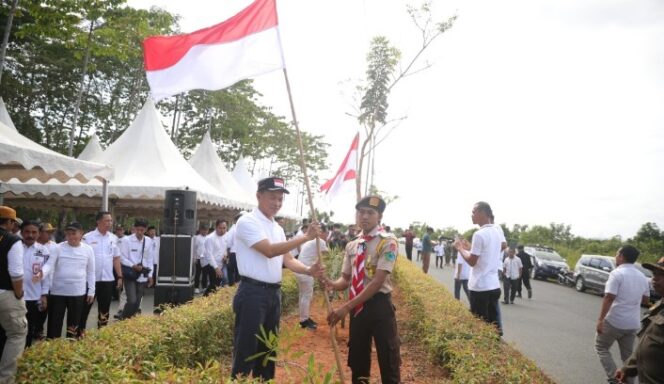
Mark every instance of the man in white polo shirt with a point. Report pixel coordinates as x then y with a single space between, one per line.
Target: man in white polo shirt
485 261
107 259
262 250
619 318
213 256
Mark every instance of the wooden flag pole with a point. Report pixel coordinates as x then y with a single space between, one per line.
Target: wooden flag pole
303 166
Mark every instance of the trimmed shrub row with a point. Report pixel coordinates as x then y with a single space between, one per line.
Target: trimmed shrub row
186 344
469 349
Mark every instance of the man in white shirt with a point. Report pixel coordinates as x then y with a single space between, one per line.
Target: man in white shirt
156 242
107 259
485 261
70 271
35 256
136 256
461 275
233 272
619 318
512 269
305 283
199 250
214 255
262 250
12 306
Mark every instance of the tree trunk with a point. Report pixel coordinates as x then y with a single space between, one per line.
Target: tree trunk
5 38
77 107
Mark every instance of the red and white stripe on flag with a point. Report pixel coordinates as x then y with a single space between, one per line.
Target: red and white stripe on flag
346 173
242 47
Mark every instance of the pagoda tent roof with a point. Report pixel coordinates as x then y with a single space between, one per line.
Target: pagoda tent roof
92 149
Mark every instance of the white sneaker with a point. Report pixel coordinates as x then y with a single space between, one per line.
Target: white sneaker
197 291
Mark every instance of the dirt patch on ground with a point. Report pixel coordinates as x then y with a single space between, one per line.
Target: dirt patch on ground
415 366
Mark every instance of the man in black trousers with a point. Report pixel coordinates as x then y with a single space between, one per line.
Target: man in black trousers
527 263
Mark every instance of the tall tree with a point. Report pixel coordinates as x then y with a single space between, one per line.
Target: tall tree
382 77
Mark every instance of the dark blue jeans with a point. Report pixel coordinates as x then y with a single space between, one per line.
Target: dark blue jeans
254 306
458 284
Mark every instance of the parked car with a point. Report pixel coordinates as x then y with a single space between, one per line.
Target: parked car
547 263
592 271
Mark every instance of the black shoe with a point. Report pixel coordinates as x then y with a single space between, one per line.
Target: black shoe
512 302
308 324
118 315
530 293
518 295
505 302
312 321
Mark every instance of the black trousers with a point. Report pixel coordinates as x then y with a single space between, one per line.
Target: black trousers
409 251
198 275
36 320
525 280
376 321
254 305
213 281
484 304
233 272
510 286
104 296
57 307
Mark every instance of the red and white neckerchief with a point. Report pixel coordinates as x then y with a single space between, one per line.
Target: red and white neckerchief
357 284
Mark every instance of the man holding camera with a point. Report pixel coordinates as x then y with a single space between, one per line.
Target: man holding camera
136 255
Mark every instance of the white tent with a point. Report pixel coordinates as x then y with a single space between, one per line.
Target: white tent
208 164
244 178
4 116
23 159
147 163
247 182
92 149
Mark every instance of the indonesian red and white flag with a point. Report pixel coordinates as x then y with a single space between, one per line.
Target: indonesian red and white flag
346 174
242 47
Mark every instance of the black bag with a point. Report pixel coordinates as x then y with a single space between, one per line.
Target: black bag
128 273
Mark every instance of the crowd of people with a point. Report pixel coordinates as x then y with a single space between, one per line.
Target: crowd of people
42 281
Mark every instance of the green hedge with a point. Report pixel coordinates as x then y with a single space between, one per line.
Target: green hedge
469 349
186 344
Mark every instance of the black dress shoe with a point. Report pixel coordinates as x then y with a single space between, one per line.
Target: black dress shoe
308 324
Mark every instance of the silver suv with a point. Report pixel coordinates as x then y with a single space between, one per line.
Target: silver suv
592 271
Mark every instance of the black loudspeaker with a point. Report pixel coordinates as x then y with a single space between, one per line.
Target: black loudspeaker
172 295
175 275
180 212
176 265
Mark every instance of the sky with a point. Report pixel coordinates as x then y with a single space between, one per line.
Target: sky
551 110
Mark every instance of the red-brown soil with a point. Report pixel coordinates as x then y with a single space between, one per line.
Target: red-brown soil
415 366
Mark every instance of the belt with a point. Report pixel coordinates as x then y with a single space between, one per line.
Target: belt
378 296
260 283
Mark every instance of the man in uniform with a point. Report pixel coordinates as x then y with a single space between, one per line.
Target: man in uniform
527 267
647 359
12 306
368 262
262 251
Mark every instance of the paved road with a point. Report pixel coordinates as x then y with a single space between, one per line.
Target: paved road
555 329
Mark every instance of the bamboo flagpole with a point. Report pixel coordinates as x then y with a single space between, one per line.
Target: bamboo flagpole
303 166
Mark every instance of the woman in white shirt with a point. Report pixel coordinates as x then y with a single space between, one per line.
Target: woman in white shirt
73 273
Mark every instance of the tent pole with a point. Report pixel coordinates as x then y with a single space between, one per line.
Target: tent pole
104 195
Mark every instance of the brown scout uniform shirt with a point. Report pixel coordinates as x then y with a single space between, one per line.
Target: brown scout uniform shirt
383 258
647 360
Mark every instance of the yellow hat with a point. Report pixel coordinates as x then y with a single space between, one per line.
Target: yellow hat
48 227
7 213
